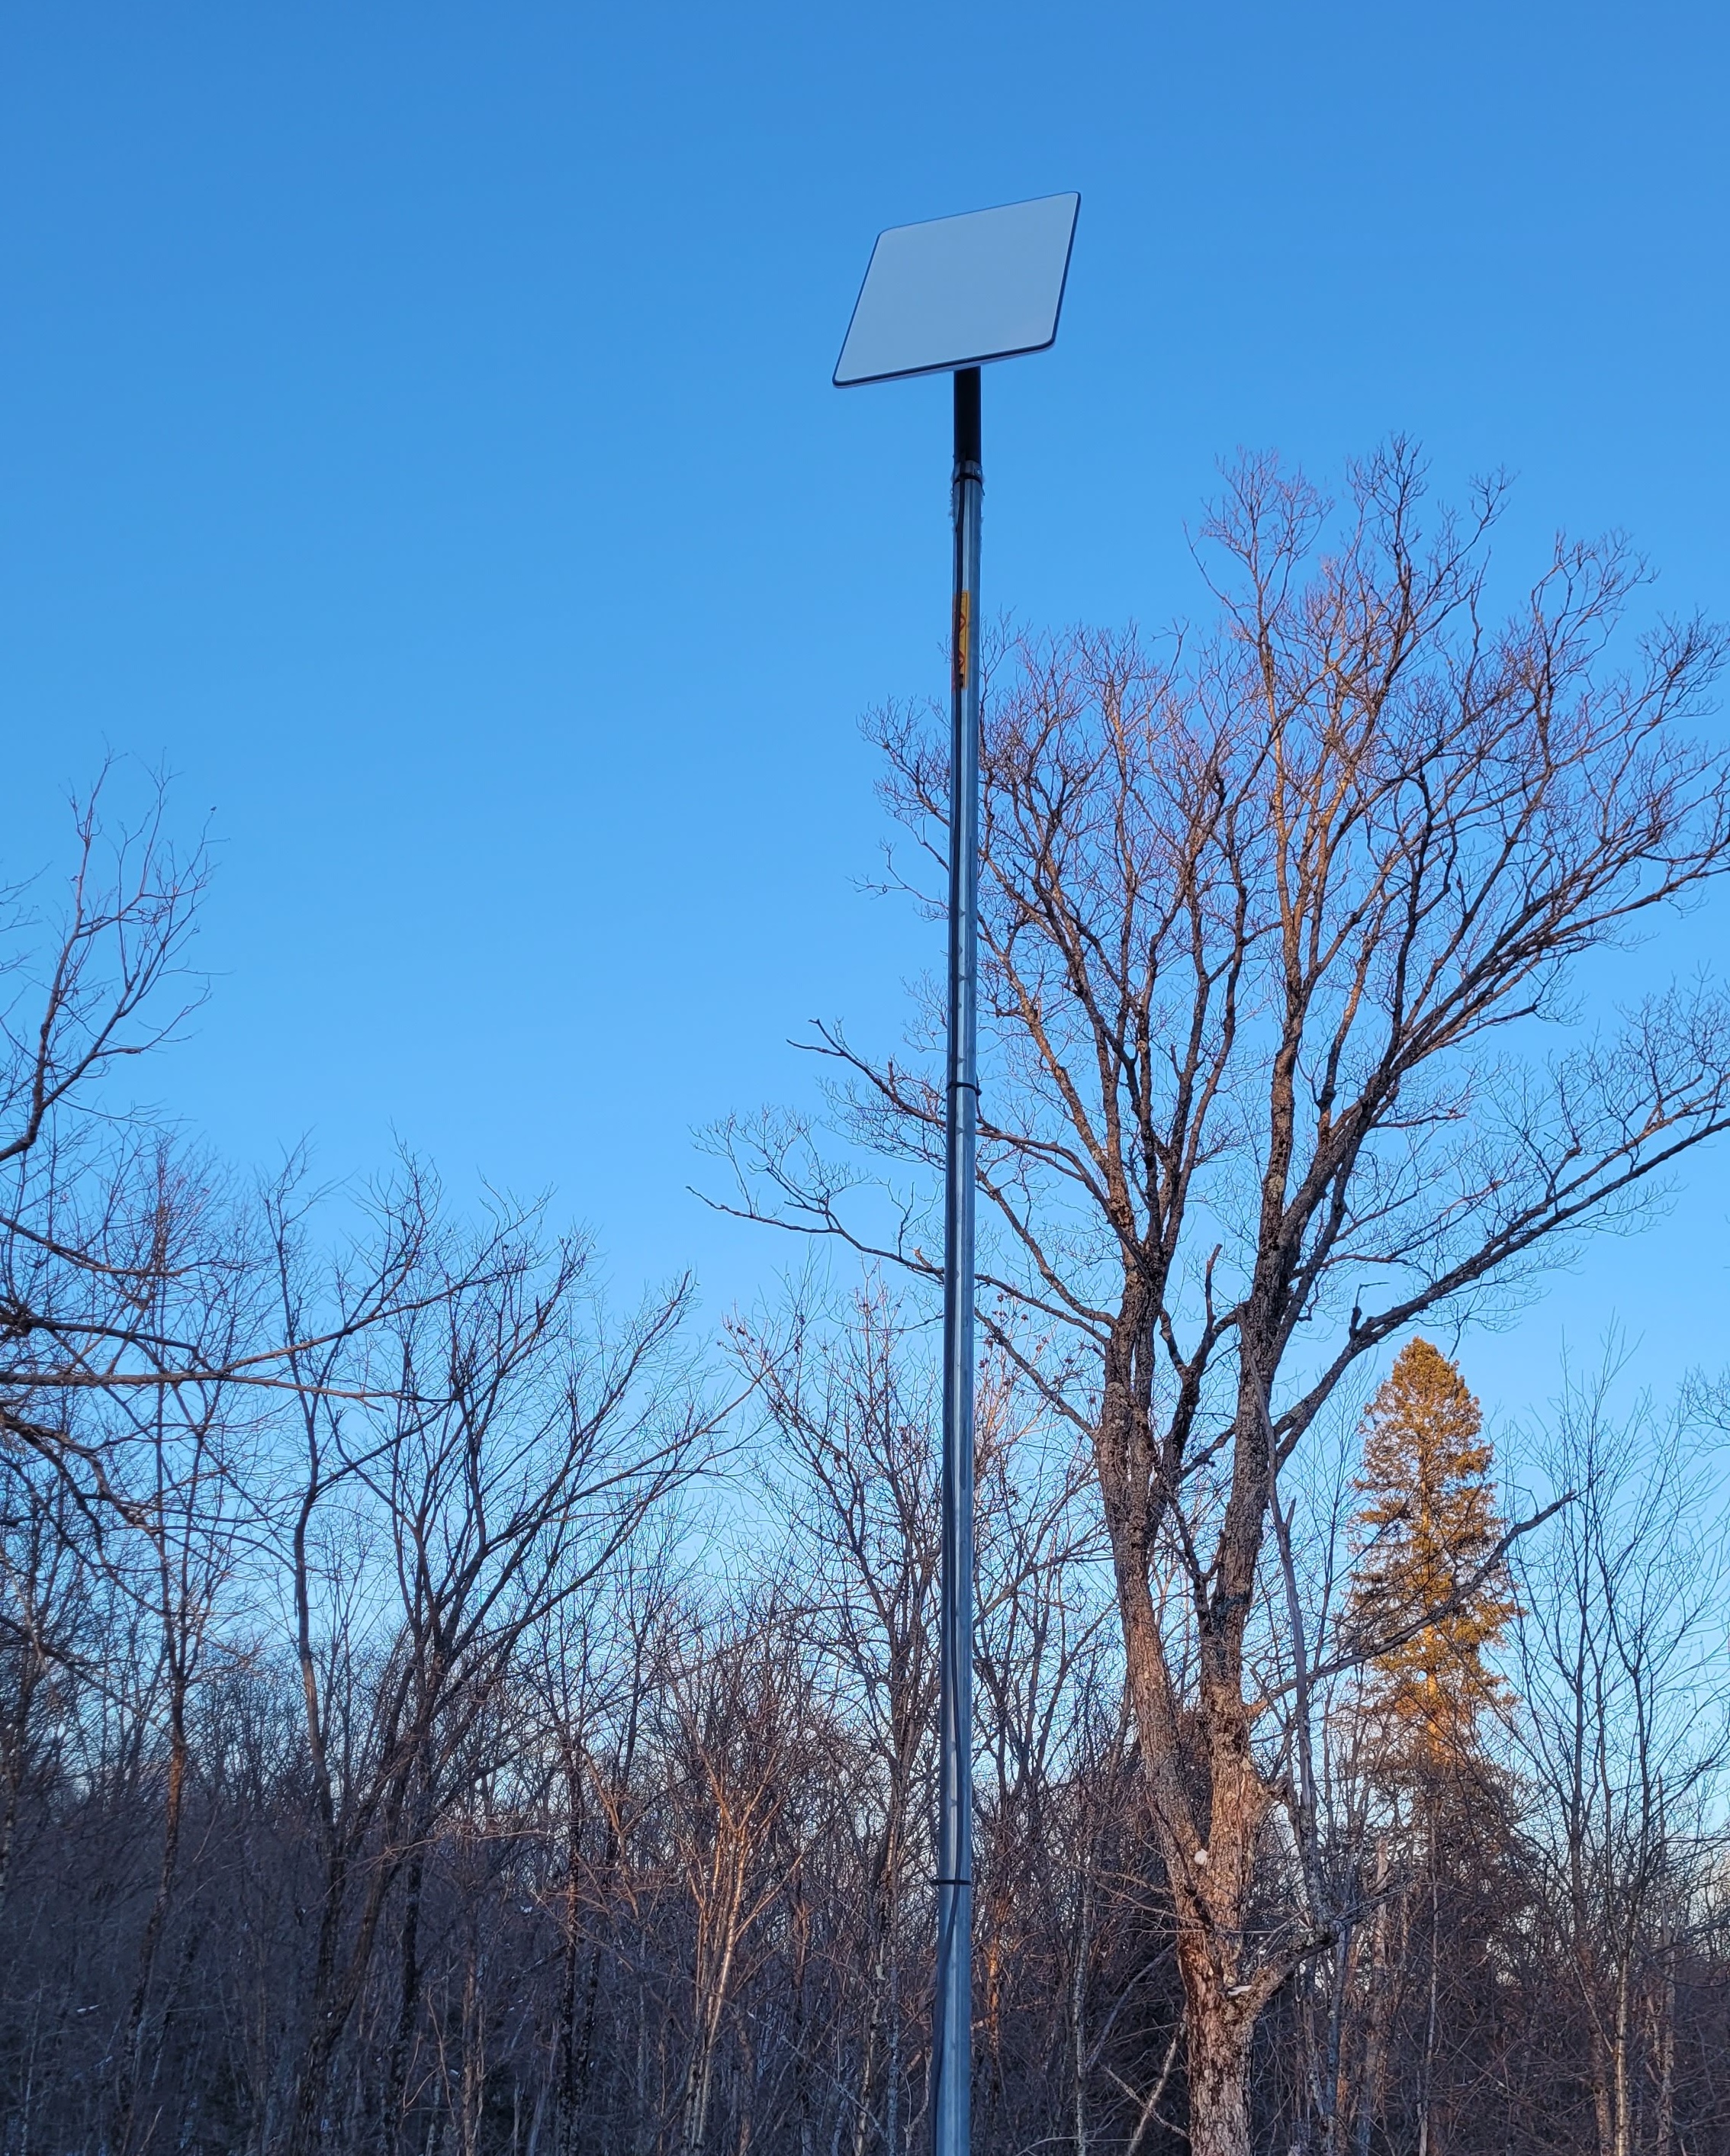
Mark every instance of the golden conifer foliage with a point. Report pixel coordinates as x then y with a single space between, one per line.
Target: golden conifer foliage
1424 1532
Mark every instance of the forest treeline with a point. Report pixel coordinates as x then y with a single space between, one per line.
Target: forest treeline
625 1842
441 1709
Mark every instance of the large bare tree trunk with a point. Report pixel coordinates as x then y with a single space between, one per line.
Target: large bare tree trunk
1219 2038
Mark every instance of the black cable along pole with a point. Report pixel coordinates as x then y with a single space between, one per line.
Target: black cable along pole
952 2049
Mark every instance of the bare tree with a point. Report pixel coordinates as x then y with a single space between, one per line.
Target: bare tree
189 1527
854 1415
130 1269
92 1305
1625 1729
739 1745
446 1503
1274 928
45 1562
594 1672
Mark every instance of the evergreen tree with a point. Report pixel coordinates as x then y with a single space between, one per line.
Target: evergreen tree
1423 1534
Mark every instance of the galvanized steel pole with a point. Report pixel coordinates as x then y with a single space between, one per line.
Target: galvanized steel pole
952 2048
941 297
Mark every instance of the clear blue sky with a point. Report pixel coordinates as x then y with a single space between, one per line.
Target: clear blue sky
417 433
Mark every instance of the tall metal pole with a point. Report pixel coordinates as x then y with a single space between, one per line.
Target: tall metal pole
951 2047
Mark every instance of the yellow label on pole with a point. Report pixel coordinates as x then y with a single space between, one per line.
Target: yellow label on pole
963 601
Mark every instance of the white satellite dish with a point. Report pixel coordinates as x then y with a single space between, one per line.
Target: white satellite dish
960 290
